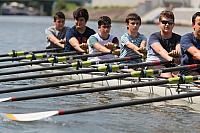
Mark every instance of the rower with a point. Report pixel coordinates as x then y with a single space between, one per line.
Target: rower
76 38
103 41
133 43
164 45
56 34
190 46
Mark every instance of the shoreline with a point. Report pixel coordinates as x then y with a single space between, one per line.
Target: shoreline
112 12
118 15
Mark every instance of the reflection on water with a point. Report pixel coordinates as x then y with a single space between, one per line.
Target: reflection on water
27 33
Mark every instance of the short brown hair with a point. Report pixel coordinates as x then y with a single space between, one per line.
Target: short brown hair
194 17
104 20
167 14
59 15
81 12
132 16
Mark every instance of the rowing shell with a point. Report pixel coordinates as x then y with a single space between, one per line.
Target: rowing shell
144 92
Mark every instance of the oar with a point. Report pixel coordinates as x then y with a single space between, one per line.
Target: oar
61 66
107 88
88 63
83 64
45 114
144 73
20 53
52 60
38 56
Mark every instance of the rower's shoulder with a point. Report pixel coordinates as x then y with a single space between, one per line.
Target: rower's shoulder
90 30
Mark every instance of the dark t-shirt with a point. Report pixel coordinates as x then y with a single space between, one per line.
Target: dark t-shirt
82 38
168 44
186 42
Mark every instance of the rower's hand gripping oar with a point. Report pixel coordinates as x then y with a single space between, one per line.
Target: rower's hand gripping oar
45 114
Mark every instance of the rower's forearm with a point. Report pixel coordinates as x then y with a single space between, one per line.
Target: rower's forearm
164 54
60 44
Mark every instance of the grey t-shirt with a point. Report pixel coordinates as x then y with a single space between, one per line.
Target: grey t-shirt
61 35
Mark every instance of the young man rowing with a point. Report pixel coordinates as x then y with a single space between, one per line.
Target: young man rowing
190 45
103 41
56 34
76 38
164 45
133 43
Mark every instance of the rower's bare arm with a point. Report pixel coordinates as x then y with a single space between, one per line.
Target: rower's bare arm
143 44
143 47
74 42
101 48
178 48
133 47
194 52
161 51
56 41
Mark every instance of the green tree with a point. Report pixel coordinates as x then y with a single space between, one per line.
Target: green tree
63 5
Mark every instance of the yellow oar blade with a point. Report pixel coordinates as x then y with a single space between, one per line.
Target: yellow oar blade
5 99
30 116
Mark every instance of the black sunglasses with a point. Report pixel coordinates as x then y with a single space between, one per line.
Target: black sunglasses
167 22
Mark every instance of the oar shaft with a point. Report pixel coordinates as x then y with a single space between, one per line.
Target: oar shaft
23 64
44 55
64 83
35 69
45 114
49 75
144 64
136 73
178 68
47 60
83 91
130 103
61 73
66 66
13 53
106 88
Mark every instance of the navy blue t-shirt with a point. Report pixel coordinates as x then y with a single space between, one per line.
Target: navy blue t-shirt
82 38
186 42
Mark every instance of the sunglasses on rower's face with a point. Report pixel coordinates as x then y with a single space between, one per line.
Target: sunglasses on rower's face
167 22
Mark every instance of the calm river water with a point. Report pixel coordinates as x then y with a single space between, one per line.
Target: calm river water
27 33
